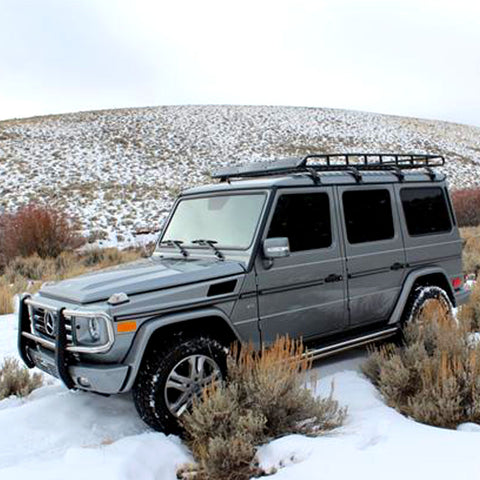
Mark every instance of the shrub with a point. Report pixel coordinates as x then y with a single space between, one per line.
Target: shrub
471 249
467 206
469 314
435 376
7 292
16 380
27 274
107 257
272 382
222 436
36 229
32 268
264 397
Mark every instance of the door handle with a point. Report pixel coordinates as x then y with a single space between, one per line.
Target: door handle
333 277
397 266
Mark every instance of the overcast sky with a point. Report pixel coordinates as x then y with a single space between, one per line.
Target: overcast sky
416 58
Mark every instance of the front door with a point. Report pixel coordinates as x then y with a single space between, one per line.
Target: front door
304 294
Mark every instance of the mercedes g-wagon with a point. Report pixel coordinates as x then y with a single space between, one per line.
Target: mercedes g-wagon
336 249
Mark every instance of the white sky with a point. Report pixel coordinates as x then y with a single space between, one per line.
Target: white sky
416 58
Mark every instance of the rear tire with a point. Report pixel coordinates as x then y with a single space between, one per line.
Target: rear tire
420 297
171 376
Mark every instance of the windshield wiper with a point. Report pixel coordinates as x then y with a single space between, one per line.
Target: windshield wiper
211 244
177 244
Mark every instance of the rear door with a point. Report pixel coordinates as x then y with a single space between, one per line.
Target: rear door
374 251
303 295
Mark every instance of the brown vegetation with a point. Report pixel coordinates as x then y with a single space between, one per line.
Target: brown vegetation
17 380
27 274
471 249
265 397
36 229
469 314
435 376
466 203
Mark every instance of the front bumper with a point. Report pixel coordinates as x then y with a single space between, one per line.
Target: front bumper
62 361
106 379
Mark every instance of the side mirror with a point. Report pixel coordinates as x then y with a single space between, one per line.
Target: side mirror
276 247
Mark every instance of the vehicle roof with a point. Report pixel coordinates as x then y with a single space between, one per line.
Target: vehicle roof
304 179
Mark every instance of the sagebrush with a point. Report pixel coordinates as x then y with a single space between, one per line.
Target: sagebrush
36 229
469 313
434 377
265 397
17 380
471 250
28 273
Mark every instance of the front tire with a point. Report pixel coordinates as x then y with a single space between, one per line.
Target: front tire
172 376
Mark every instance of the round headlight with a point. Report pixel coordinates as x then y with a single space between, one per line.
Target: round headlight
94 328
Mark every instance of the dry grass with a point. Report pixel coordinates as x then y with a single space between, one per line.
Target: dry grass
469 314
265 397
471 249
435 376
17 380
27 274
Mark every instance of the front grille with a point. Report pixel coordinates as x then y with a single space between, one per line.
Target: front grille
39 322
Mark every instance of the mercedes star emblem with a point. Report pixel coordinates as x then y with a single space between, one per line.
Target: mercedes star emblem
49 323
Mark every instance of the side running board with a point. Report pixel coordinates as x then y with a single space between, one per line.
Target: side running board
317 353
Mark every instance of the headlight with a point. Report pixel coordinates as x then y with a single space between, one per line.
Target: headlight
94 329
90 330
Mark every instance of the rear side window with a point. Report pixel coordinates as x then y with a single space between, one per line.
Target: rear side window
304 218
368 215
426 210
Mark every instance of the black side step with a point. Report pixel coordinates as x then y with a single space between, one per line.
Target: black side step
316 353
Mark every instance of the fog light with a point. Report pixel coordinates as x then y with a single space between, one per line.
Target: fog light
83 382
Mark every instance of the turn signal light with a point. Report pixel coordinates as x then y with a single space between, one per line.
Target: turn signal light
128 326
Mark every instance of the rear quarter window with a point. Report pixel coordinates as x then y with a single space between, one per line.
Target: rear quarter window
426 210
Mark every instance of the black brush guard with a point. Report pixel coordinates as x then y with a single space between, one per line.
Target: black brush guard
60 353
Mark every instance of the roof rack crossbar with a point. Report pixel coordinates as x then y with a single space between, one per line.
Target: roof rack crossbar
349 162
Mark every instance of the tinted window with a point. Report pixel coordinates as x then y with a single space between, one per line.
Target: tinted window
426 210
368 215
304 219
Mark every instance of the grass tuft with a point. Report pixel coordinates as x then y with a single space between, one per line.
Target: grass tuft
17 380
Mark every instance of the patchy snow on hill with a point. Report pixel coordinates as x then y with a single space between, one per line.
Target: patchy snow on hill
119 170
56 434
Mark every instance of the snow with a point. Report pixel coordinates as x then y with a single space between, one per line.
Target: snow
119 170
58 434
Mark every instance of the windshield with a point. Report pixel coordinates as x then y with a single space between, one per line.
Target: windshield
230 220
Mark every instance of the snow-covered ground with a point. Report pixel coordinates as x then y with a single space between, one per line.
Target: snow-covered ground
119 170
57 434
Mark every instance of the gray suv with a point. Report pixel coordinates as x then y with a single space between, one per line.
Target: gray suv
336 249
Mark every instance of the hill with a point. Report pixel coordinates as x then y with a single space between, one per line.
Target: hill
119 170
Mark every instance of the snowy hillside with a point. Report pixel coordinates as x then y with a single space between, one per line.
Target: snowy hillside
120 169
56 434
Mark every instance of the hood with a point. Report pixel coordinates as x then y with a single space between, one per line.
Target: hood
137 277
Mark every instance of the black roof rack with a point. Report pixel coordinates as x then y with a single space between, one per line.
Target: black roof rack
353 163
